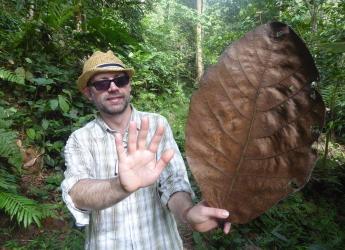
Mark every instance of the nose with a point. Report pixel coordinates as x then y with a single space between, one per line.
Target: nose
113 86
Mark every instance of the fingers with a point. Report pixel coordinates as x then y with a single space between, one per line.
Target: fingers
210 225
119 146
215 212
164 160
205 218
144 128
156 138
227 227
138 141
132 137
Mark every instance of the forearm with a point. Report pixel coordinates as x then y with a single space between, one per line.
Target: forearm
91 194
179 203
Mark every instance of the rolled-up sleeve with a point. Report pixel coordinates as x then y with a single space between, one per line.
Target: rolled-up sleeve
174 178
77 161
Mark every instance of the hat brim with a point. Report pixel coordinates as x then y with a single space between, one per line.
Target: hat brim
85 77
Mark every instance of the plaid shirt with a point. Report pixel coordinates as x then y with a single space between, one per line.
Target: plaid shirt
140 221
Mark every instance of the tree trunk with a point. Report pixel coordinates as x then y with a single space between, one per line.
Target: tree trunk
199 61
79 17
313 10
313 13
31 11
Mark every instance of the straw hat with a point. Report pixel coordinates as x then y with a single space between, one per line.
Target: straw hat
101 62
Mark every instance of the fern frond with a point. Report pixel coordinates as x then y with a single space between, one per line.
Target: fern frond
49 210
57 14
5 117
25 210
9 149
10 76
334 95
8 181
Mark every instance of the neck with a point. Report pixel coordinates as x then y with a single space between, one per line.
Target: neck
118 122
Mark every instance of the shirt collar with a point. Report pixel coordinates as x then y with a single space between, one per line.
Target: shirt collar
104 128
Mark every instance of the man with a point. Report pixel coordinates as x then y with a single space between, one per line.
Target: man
125 177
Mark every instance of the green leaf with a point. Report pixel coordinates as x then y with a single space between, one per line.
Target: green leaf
316 247
25 210
9 149
31 133
20 71
58 145
63 104
68 93
11 77
28 60
53 104
29 76
49 161
335 47
45 124
42 81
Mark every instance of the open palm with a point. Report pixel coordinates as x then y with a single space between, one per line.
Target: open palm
138 166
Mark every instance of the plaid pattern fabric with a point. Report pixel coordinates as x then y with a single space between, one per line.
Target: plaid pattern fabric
142 220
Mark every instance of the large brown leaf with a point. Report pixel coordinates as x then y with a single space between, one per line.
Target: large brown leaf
253 121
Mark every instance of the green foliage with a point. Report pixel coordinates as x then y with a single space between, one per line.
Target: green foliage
164 55
8 182
51 185
72 240
41 56
11 77
295 222
164 61
25 211
10 155
333 95
174 106
9 151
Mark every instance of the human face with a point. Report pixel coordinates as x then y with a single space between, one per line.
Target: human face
113 101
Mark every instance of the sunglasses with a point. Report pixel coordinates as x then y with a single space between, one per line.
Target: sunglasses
103 85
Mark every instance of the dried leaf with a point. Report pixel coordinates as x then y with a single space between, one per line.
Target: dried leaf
252 122
30 163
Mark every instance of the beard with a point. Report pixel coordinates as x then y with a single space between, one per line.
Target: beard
114 109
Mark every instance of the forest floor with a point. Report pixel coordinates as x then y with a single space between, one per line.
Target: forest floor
33 183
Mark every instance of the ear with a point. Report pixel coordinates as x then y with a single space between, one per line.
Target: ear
87 93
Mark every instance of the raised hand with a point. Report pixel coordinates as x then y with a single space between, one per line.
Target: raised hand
203 218
138 166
